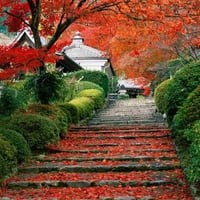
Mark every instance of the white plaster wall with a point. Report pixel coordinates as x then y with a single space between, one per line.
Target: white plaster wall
91 64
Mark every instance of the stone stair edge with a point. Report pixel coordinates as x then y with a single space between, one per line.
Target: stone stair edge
99 168
85 183
79 159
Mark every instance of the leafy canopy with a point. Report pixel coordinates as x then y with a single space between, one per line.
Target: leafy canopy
139 25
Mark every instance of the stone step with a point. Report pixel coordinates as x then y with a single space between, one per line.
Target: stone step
167 192
119 124
117 144
102 137
132 115
88 151
116 131
119 135
125 123
100 147
131 109
59 167
41 158
84 183
122 128
129 120
133 118
116 106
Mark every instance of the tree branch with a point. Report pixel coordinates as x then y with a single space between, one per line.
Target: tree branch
60 29
104 6
80 4
17 17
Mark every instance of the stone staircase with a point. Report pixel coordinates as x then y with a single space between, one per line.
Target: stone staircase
108 160
129 112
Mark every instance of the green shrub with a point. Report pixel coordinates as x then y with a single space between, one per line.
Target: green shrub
188 113
193 133
84 85
30 88
167 71
18 85
84 105
100 78
54 113
11 100
96 95
192 160
70 110
47 88
38 131
16 139
185 81
159 94
8 161
75 87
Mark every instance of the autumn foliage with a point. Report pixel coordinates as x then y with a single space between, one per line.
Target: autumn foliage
122 28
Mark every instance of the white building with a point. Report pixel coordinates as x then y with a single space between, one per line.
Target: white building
87 57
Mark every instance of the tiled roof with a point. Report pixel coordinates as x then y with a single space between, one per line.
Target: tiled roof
78 49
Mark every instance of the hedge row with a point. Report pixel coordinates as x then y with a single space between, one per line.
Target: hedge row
192 158
86 101
184 82
96 95
188 113
186 128
179 98
35 126
54 113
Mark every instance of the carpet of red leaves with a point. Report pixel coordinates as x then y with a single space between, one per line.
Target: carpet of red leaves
89 141
96 193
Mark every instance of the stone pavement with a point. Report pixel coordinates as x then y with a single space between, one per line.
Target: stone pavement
123 153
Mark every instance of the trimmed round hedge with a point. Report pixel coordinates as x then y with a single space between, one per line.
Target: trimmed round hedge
71 111
192 160
8 160
16 139
39 131
84 85
84 105
100 78
188 113
184 81
96 95
54 113
159 94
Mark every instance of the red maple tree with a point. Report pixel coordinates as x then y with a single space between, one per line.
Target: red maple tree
119 26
